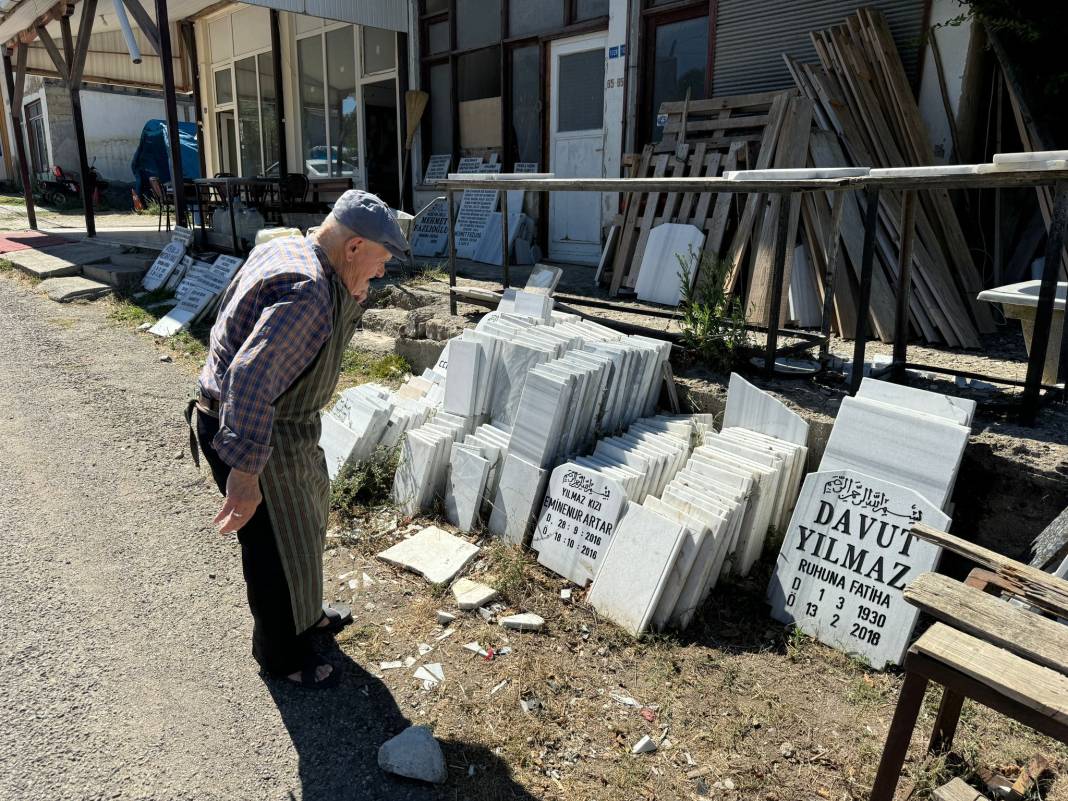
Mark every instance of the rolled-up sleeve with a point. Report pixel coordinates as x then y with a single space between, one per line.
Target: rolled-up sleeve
287 335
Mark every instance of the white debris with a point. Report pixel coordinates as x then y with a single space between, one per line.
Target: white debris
409 661
446 633
626 700
425 649
565 594
523 622
498 688
644 746
472 594
414 754
445 618
390 665
476 648
431 675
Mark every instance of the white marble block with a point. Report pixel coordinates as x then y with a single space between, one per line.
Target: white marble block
660 275
635 570
752 408
519 492
465 486
432 553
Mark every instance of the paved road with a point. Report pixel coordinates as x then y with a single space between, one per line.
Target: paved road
124 666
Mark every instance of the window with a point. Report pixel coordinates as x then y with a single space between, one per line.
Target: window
341 102
581 88
437 38
248 115
268 112
434 6
526 103
440 109
312 103
379 50
35 130
478 74
590 9
680 62
535 16
224 89
478 23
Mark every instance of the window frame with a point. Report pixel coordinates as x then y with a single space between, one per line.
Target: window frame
230 63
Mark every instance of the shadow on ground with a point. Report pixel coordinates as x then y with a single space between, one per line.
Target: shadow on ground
337 732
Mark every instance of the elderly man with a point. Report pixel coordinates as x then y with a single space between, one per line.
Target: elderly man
273 364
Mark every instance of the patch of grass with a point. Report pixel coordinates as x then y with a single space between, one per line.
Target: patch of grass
429 274
512 572
866 691
796 644
359 367
367 483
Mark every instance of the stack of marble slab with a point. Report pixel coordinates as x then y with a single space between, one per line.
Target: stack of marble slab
646 457
424 461
370 415
474 471
906 436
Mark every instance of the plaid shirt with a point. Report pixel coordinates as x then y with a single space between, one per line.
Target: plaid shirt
273 320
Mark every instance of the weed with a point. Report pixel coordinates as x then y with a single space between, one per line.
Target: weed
796 644
429 274
367 483
514 574
359 367
712 322
865 691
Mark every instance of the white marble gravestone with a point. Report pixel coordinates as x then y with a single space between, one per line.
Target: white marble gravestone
430 236
437 169
659 279
163 266
578 517
476 205
847 556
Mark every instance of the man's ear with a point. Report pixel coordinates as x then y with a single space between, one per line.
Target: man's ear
352 245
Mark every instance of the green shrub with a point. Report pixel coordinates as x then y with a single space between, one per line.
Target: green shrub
712 322
368 483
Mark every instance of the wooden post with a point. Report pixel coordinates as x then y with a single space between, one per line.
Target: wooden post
871 222
74 91
452 251
506 277
170 102
279 102
778 276
832 247
904 286
190 38
20 140
899 735
1036 360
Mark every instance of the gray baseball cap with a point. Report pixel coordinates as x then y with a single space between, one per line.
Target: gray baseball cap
366 215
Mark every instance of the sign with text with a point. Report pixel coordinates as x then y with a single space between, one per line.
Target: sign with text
163 266
577 521
438 168
431 234
475 209
846 557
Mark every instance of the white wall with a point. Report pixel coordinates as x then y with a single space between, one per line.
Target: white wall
953 45
614 102
113 124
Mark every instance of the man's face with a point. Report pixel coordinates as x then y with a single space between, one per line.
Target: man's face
361 261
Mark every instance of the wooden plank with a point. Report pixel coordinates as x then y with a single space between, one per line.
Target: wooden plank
1032 686
652 200
628 232
753 201
816 227
1030 583
717 124
989 618
709 169
717 227
697 164
957 790
737 102
671 199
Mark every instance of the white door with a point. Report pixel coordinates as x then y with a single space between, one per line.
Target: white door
576 146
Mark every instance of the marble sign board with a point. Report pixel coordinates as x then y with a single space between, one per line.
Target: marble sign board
164 264
437 169
846 557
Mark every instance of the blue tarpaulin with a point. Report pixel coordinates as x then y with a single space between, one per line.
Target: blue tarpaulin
153 154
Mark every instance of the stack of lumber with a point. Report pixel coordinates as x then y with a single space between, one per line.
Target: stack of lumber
702 138
867 117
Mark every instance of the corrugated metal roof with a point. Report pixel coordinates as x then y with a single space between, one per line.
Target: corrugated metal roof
391 15
752 37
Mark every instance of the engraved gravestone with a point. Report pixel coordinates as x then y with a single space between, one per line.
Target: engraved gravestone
163 266
431 234
437 169
475 209
578 517
847 555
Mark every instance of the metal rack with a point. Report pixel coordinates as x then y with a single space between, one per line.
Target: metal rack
1035 393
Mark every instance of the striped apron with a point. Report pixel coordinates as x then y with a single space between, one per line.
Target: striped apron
294 483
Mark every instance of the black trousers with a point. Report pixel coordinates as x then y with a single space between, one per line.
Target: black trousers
276 644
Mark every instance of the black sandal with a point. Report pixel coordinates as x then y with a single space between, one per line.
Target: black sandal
339 616
307 680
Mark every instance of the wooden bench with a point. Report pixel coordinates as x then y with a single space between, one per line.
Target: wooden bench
1005 657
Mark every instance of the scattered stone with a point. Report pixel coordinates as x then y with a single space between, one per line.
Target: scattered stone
626 700
498 688
414 754
144 326
390 665
431 675
409 661
486 614
445 618
523 622
529 705
565 595
644 746
166 359
728 784
425 649
472 594
432 553
446 633
476 648
787 750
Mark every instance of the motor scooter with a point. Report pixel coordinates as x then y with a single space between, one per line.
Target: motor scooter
61 189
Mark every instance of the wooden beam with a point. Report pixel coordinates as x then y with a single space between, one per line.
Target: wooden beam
21 52
170 103
53 53
79 133
20 141
989 618
85 32
1030 583
145 23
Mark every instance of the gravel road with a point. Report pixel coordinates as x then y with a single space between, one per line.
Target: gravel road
124 637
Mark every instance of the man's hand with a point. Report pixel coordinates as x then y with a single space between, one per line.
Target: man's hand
242 497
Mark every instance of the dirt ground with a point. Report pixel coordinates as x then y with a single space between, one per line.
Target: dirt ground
128 674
